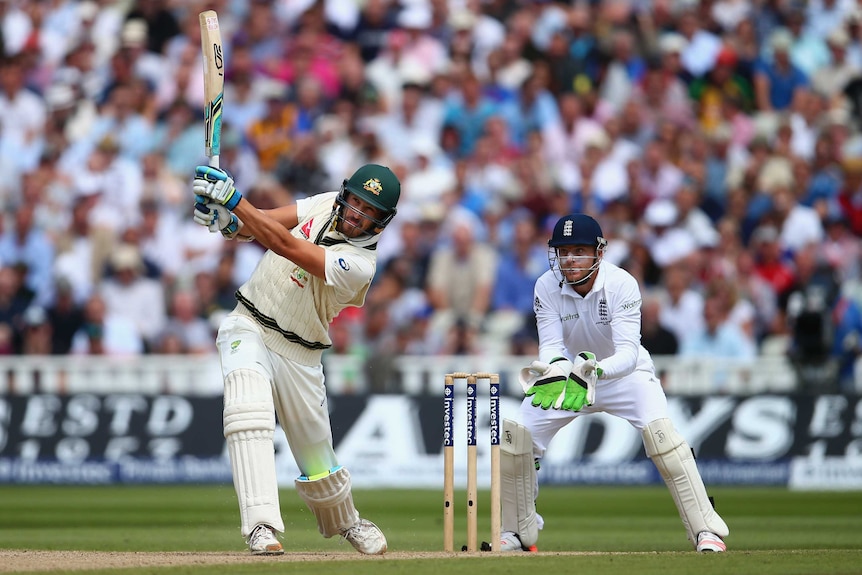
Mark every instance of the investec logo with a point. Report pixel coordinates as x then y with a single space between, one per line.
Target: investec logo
448 404
471 414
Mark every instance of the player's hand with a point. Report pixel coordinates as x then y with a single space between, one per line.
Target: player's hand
216 217
545 382
216 185
581 385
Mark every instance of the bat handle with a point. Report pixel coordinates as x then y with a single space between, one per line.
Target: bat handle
213 164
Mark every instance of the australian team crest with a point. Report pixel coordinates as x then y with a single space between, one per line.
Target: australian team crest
373 185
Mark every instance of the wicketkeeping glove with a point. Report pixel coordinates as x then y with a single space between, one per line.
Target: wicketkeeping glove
216 185
216 217
546 382
581 385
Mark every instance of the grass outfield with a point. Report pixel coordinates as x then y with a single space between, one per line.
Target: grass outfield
612 530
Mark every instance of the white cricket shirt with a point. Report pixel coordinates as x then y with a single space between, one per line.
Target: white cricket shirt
606 322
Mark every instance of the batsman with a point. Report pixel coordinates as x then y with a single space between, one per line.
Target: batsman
588 314
321 256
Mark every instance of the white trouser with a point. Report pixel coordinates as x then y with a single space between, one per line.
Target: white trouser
258 379
638 398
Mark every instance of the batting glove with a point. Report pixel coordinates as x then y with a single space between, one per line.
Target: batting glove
216 217
545 382
581 385
216 185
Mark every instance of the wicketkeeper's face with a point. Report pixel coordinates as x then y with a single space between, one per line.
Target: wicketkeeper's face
577 262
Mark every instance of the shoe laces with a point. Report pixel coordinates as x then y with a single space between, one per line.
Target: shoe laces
356 532
260 532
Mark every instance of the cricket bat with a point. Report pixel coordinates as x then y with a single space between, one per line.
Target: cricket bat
213 58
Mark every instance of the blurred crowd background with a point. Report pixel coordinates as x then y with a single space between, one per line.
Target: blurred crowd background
717 142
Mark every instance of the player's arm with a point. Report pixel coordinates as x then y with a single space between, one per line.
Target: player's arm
270 229
285 215
550 326
625 327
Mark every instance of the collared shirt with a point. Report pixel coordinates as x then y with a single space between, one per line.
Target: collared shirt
606 321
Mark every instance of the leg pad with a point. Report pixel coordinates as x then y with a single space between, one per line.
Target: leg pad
674 460
331 501
518 483
249 424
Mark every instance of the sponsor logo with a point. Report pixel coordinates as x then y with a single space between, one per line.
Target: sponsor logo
305 230
343 264
567 228
632 304
570 316
234 346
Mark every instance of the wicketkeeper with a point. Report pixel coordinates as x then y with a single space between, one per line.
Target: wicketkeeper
321 258
590 360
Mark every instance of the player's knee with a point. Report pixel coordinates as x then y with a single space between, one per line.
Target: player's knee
248 405
660 437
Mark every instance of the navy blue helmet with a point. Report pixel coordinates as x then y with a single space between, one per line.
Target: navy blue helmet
577 230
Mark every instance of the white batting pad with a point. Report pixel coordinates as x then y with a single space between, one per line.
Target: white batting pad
517 482
672 457
249 423
331 501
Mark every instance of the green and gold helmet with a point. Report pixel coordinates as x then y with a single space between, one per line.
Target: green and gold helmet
376 185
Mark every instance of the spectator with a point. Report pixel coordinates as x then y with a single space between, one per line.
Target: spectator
28 246
106 333
14 301
467 112
682 305
721 341
185 331
376 20
657 339
272 135
831 79
461 276
722 83
24 114
417 117
769 260
36 332
824 328
658 177
777 82
131 295
521 264
799 225
66 318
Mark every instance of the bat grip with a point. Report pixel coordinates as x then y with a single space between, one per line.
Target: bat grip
213 164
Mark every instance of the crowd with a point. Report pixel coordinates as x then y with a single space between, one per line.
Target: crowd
717 142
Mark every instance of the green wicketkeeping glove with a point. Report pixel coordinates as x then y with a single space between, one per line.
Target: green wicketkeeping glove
545 382
581 384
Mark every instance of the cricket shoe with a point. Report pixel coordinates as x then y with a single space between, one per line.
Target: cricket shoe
511 542
366 538
263 541
710 543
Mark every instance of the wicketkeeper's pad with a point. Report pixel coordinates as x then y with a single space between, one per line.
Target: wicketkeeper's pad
674 460
518 483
